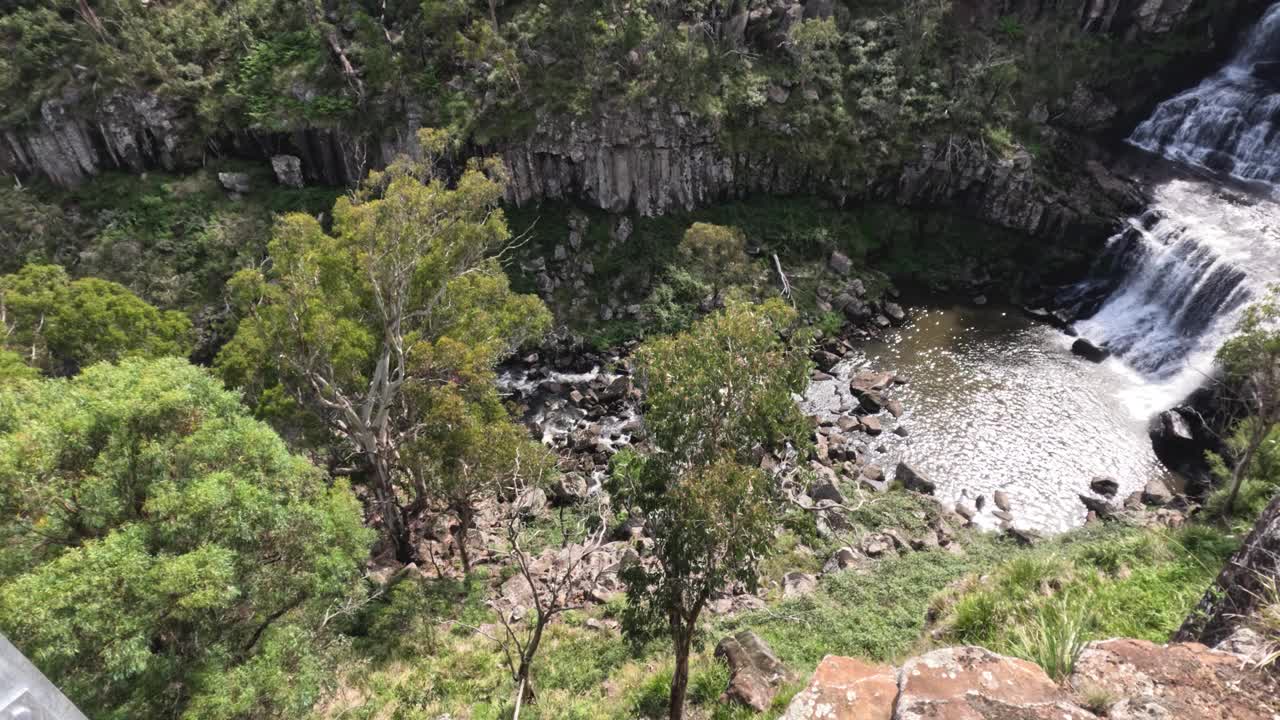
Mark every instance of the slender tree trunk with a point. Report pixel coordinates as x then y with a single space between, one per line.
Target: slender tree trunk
384 492
682 634
460 538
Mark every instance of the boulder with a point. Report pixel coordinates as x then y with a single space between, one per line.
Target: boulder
1001 499
912 479
235 182
1104 486
846 689
824 488
798 584
895 408
895 313
1089 351
532 503
842 559
872 426
1098 506
569 488
972 683
288 170
1182 680
1157 492
755 673
840 263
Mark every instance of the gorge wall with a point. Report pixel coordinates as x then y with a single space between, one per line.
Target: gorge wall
660 158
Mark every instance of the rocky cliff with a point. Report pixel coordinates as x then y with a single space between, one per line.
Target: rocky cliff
659 158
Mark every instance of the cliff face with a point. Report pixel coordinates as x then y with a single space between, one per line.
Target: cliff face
657 159
1247 582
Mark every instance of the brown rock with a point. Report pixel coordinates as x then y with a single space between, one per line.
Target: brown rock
971 683
872 426
1183 680
846 689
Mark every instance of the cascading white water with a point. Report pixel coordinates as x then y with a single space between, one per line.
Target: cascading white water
1230 123
1175 279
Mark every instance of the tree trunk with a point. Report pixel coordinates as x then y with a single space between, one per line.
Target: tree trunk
460 539
393 522
683 636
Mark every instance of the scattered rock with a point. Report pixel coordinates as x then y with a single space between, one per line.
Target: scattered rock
824 488
871 426
532 503
1104 486
846 689
875 545
1089 351
843 559
755 673
895 313
1098 506
840 263
569 488
1157 492
901 431
798 584
235 182
912 479
1001 499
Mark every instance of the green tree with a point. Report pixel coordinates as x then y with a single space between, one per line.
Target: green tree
60 325
398 313
164 554
713 393
716 253
1251 365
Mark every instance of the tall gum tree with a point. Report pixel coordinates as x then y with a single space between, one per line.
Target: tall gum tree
399 310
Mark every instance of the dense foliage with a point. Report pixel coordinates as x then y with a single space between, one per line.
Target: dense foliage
165 555
387 328
60 325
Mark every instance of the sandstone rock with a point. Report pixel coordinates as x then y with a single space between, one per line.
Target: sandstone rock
1248 644
912 479
824 488
288 170
532 503
875 545
569 488
754 671
1184 680
872 426
971 683
846 689
895 408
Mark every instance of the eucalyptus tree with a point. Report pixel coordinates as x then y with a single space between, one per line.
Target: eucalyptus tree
399 311
712 394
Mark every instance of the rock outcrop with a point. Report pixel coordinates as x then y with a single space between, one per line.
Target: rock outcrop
1123 679
1141 680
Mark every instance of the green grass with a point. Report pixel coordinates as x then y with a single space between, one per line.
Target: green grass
1099 582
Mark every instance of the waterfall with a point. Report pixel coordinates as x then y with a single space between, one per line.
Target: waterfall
1230 123
1168 290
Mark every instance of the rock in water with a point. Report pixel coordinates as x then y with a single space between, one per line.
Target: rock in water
1089 351
1001 499
913 479
1104 486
